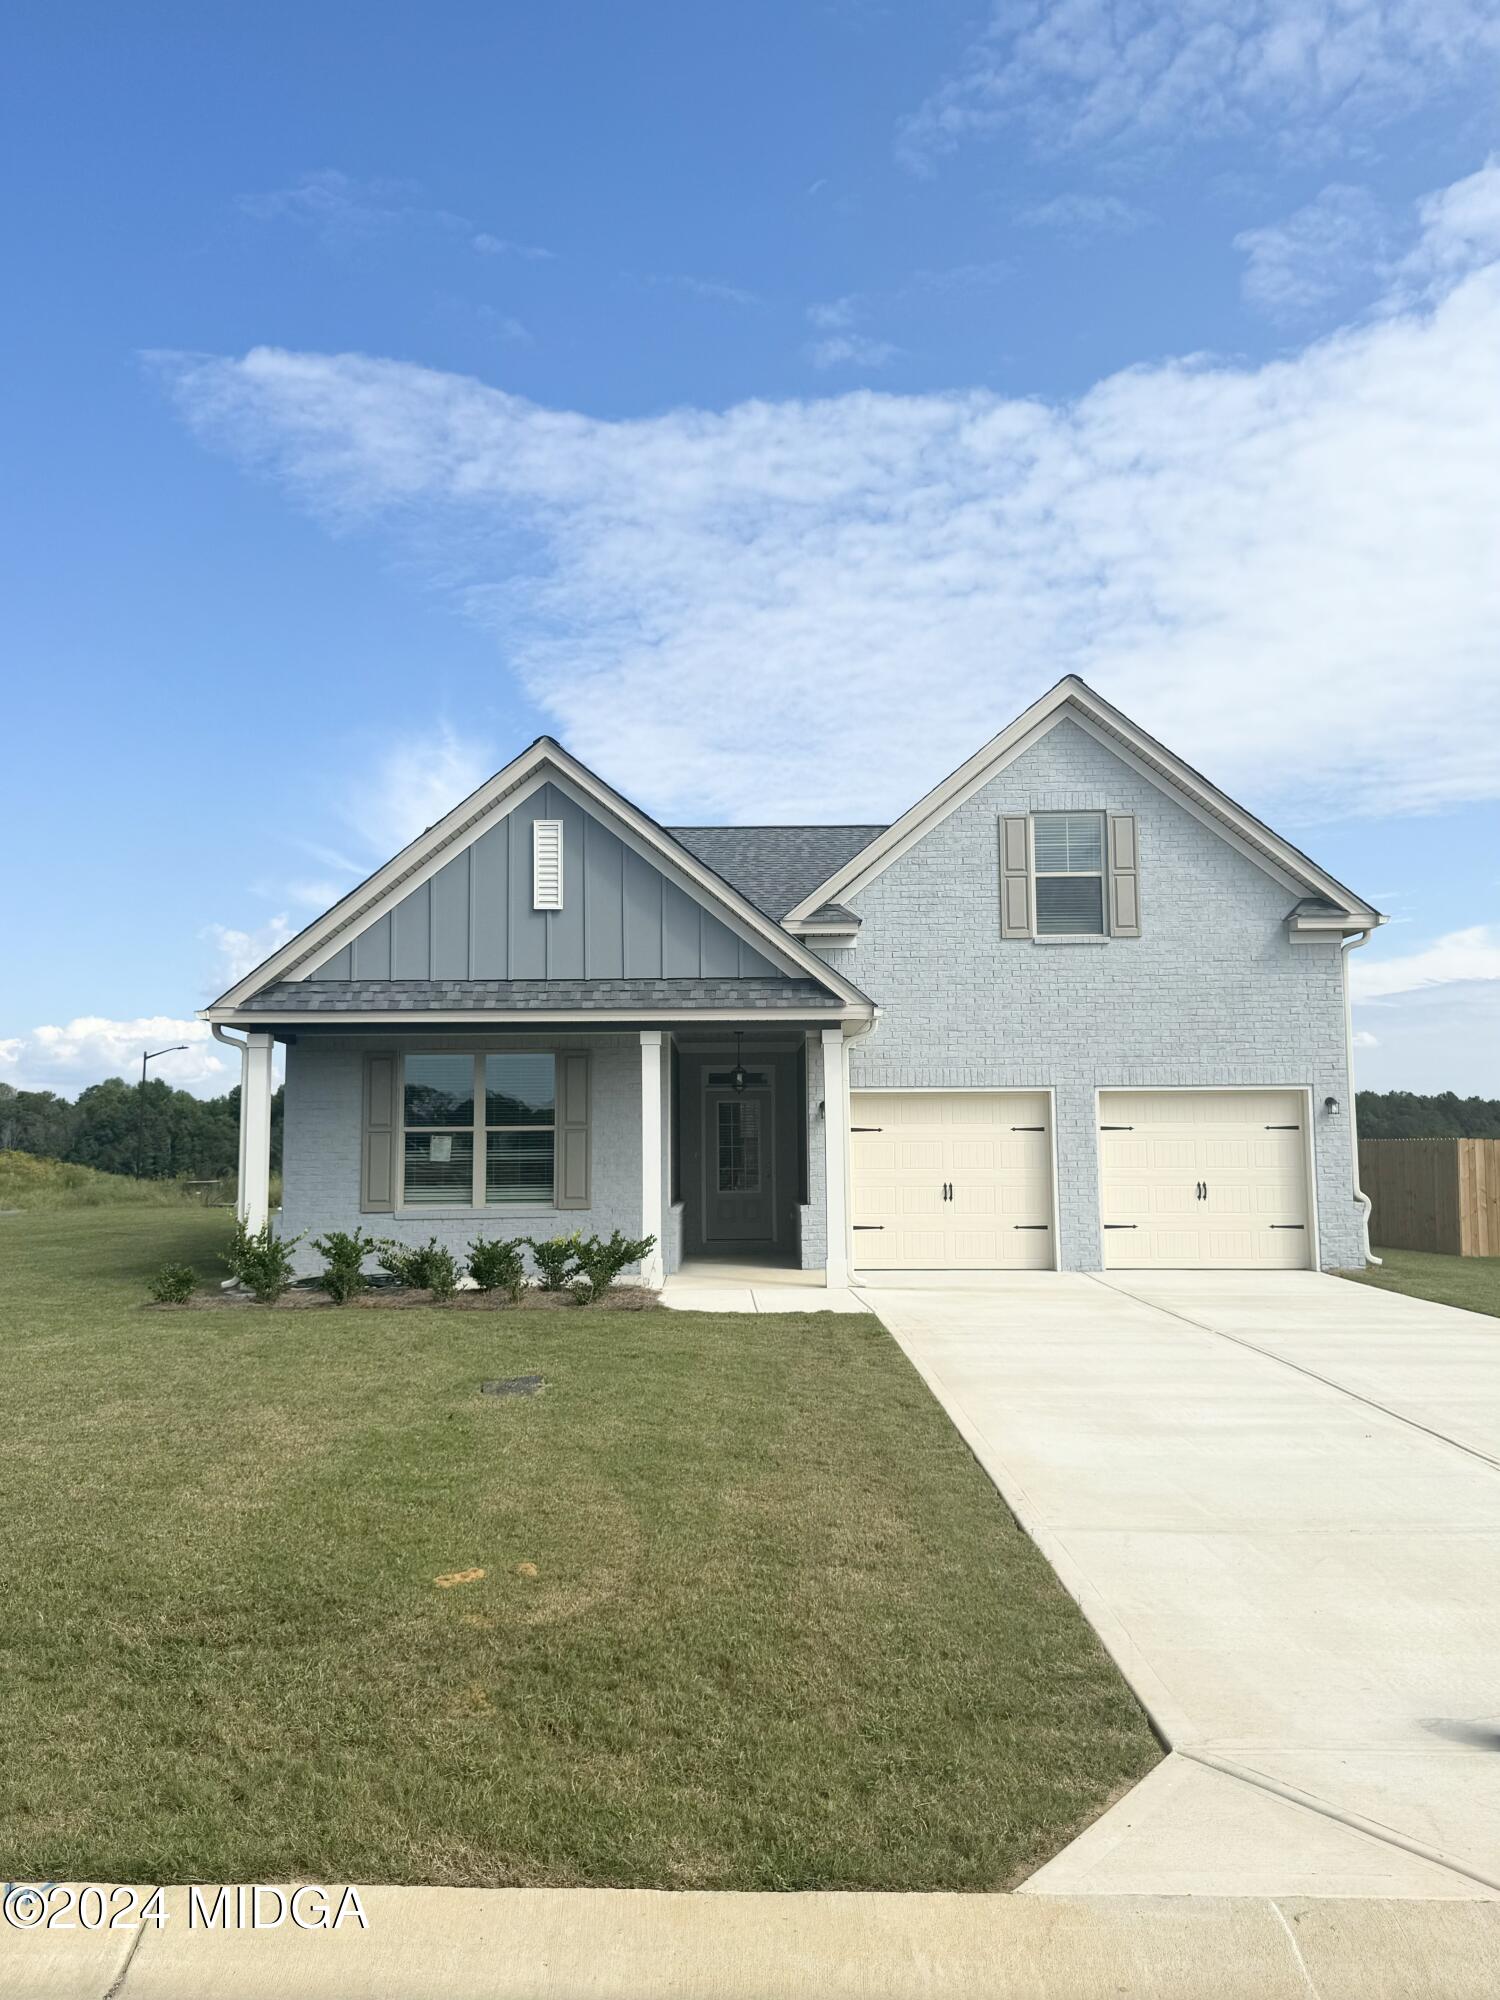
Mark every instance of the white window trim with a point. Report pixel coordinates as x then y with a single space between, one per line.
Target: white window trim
479 1127
1100 875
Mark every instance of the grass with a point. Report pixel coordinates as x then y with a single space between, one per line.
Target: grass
750 1616
28 1182
1470 1282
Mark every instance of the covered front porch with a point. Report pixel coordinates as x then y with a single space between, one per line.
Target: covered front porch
725 1140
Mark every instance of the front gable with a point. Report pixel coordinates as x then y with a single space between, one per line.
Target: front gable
620 915
1073 704
461 905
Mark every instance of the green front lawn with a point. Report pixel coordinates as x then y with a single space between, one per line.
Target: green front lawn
750 1617
1471 1282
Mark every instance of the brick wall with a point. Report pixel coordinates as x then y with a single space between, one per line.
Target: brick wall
1213 992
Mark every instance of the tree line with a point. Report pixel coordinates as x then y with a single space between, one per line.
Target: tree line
1403 1114
180 1136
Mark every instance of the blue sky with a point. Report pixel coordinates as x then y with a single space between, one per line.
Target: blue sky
769 401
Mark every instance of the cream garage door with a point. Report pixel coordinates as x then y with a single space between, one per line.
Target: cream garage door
951 1180
1204 1179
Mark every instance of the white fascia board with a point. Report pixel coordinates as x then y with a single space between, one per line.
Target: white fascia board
603 1018
543 762
1072 700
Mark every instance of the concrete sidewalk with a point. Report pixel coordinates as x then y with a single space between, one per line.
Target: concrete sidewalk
1277 1498
602 1944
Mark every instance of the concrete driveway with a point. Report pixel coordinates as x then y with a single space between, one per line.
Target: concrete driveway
1277 1498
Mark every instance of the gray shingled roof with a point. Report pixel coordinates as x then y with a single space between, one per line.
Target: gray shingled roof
603 996
774 867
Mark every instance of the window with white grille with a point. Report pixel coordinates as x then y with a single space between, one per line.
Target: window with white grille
1068 861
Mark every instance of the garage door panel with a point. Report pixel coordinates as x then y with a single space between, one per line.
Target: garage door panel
990 1149
1204 1179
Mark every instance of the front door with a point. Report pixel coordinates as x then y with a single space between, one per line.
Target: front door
739 1198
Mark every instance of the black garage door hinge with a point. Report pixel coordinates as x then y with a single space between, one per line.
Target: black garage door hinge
1028 1128
1029 1225
1117 1128
866 1128
1288 1225
1121 1225
867 1225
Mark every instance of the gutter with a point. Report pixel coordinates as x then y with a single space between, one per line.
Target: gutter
1365 1204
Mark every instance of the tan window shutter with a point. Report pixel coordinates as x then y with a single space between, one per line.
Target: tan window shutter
377 1168
546 864
1015 877
1124 877
572 1171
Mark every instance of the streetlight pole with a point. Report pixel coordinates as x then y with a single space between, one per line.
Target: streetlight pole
148 1055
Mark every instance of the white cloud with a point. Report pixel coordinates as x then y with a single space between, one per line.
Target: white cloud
832 313
1330 247
237 952
413 784
342 211
1314 76
91 1048
1459 231
501 246
1459 957
801 608
1365 1040
851 350
1081 215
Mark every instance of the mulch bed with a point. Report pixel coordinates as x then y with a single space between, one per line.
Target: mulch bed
308 1298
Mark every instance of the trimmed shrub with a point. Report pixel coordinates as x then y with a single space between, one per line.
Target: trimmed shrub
262 1262
429 1268
498 1264
556 1259
173 1284
600 1260
344 1255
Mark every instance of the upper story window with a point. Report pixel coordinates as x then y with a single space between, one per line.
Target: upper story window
1068 860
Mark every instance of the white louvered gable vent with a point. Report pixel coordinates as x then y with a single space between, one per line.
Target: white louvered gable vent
546 864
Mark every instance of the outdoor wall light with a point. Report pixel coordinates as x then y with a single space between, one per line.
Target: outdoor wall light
1331 1106
738 1077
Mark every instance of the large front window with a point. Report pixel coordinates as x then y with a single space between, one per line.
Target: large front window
479 1129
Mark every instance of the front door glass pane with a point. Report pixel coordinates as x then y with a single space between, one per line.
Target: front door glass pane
739 1145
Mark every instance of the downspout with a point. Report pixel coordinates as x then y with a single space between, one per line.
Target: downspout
239 1172
1353 944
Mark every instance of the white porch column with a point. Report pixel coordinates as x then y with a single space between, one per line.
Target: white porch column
835 1153
651 1264
255 1132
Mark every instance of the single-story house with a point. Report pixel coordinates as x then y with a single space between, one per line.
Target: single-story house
1075 1009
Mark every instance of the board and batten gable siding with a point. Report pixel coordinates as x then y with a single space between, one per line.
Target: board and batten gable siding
1211 993
621 918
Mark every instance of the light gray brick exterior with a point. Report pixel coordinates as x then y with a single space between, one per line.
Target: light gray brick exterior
320 1174
1213 991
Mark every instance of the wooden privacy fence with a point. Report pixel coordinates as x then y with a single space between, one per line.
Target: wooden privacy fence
1433 1194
